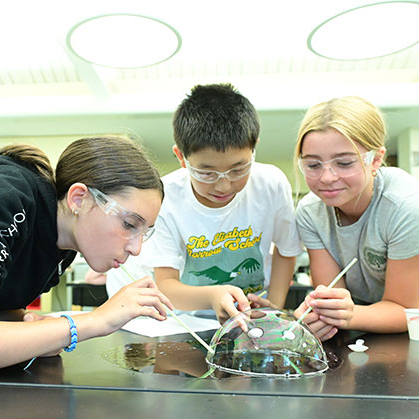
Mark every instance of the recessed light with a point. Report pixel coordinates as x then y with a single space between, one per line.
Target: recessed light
123 40
369 31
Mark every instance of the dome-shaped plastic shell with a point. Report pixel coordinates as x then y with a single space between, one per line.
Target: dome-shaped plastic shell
253 343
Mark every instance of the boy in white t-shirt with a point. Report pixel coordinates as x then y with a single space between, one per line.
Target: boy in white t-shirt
221 212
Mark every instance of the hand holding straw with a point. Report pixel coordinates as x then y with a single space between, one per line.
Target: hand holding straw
331 285
262 294
183 324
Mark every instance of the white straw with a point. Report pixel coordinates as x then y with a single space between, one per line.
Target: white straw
196 336
331 285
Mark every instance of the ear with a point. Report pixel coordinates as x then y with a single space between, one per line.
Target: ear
179 155
76 195
379 158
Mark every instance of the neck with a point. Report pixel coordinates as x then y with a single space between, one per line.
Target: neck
65 228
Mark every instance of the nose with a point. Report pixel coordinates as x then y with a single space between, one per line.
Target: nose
134 245
328 174
222 184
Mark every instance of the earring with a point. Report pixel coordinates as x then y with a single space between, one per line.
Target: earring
74 211
374 173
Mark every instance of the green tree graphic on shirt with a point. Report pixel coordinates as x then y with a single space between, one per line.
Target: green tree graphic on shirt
214 273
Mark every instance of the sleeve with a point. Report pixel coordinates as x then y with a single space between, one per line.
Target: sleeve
164 247
17 203
307 228
403 237
286 237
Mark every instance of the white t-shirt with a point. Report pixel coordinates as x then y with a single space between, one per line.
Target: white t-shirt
228 245
388 229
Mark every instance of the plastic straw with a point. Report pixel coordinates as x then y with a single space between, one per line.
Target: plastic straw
331 285
183 324
262 293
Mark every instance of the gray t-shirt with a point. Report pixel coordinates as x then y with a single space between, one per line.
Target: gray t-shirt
388 229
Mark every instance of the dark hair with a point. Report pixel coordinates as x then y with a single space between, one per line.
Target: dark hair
109 163
32 157
215 116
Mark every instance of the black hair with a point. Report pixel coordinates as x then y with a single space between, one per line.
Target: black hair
215 116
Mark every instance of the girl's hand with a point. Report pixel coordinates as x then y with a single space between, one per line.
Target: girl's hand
224 299
323 330
141 298
334 306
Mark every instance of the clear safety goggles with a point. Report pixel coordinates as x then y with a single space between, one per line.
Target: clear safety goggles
343 167
213 176
128 224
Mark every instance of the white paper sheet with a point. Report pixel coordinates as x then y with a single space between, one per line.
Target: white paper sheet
70 313
146 326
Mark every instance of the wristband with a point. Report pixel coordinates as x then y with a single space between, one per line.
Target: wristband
73 333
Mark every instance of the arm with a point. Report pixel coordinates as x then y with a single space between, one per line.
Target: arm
385 316
281 277
401 291
221 298
20 341
323 269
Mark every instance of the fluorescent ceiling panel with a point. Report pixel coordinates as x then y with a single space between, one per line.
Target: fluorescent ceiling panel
366 32
124 41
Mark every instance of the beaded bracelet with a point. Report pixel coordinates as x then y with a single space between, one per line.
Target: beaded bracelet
73 333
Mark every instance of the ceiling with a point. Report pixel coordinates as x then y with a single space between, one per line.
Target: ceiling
260 47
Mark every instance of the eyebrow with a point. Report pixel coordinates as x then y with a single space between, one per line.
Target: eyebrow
237 164
134 214
316 157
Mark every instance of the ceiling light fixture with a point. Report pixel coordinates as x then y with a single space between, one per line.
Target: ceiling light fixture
369 31
123 41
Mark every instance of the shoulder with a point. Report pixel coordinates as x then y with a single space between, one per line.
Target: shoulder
261 169
22 188
268 176
175 180
177 188
399 188
15 177
309 200
310 206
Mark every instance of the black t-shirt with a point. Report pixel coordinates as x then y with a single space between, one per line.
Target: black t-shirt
30 262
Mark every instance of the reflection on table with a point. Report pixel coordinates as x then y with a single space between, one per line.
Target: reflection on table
153 374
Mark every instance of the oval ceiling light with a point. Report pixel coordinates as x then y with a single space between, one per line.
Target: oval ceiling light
123 41
369 31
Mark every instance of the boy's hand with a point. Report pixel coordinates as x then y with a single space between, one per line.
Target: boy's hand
223 300
257 302
333 306
322 330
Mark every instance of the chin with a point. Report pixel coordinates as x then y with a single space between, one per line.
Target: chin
98 267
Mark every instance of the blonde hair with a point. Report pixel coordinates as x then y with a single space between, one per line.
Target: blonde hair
357 119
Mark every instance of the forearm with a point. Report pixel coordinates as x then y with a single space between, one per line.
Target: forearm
281 277
20 341
381 317
186 297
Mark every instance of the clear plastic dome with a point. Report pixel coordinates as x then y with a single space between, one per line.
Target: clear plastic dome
253 343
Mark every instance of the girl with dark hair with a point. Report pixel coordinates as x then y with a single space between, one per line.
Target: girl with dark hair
102 201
